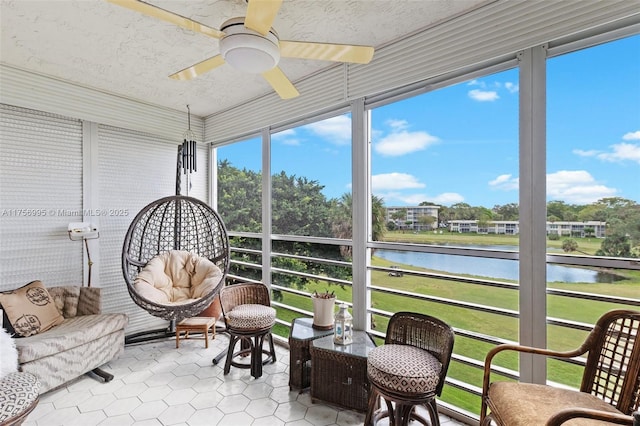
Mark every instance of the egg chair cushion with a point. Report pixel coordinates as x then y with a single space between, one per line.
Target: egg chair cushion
177 277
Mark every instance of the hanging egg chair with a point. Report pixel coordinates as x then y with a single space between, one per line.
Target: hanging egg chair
175 255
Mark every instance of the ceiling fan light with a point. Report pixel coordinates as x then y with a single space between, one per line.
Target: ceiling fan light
247 50
249 53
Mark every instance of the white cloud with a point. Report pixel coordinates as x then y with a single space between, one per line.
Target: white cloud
511 87
394 181
476 83
576 186
505 182
572 186
632 136
403 142
336 130
583 153
447 198
286 137
483 95
622 152
398 198
398 124
284 134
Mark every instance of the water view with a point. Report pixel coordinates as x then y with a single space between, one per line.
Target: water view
492 268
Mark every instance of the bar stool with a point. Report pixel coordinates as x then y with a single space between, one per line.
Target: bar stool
409 369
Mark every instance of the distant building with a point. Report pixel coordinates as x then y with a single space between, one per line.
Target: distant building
577 229
411 220
504 227
512 227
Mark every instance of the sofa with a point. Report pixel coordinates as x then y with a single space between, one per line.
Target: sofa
83 341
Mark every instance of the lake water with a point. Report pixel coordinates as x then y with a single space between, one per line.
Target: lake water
491 268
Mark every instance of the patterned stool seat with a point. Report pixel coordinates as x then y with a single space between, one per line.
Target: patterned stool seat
251 317
404 369
19 393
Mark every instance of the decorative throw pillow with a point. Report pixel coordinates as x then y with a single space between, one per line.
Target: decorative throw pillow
30 309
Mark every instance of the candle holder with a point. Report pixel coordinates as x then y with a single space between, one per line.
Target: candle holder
343 326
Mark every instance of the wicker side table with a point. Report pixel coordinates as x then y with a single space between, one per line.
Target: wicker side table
300 337
339 373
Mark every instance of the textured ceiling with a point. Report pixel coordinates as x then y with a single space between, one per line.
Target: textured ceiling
104 46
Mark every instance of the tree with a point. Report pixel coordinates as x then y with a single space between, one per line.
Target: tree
399 215
623 221
506 212
378 211
445 214
589 231
239 201
569 245
463 211
593 212
426 220
342 220
299 207
562 211
615 245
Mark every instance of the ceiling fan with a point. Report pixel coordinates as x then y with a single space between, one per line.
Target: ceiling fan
249 44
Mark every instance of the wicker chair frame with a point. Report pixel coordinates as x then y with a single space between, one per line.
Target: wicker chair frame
421 331
252 340
175 223
612 370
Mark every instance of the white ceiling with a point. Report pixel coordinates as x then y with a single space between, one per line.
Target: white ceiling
100 45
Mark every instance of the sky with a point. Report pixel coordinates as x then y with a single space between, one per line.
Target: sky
460 143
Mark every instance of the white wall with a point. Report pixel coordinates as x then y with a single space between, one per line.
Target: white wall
56 170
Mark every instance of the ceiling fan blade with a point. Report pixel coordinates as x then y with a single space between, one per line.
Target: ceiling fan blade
280 83
165 15
199 68
326 51
261 14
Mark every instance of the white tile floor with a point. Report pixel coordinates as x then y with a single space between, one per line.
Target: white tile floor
156 384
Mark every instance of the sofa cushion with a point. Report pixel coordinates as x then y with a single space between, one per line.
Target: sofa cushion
30 309
524 404
72 332
66 299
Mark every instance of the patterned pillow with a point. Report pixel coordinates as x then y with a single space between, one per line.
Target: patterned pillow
30 309
251 317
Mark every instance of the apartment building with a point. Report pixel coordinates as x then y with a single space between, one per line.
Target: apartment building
413 217
511 227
